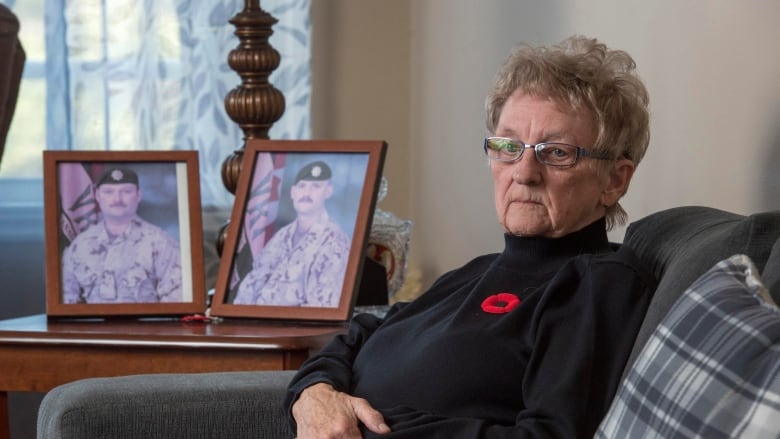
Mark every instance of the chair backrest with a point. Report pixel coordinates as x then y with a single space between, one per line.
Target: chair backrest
13 56
680 244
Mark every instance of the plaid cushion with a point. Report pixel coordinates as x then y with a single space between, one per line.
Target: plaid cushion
712 367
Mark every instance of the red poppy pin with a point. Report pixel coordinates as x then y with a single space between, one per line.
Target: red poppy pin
500 303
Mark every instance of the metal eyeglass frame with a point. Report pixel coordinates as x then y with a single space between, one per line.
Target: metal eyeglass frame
538 148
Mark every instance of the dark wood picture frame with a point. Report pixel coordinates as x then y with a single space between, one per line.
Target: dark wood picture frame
263 273
169 210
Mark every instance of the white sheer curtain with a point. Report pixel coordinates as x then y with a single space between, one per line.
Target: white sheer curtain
152 74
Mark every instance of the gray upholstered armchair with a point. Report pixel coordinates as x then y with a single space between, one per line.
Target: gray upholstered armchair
679 245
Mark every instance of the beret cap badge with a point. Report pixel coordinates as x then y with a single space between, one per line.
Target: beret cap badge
315 171
118 175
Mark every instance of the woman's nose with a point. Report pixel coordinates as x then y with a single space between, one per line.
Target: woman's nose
527 169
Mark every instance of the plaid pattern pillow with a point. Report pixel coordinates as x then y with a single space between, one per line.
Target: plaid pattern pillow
712 367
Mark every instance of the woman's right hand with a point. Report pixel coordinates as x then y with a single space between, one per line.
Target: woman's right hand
323 412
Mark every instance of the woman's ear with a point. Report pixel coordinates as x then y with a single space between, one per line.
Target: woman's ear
619 177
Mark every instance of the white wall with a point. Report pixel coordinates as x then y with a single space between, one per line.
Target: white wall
712 70
360 81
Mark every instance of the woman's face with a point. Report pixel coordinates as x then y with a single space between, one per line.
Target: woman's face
533 199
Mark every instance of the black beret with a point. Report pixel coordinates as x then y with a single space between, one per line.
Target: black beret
118 175
316 171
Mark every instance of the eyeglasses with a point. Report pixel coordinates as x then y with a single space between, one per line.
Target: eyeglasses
508 150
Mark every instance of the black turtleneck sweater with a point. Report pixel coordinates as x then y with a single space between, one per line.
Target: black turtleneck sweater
442 367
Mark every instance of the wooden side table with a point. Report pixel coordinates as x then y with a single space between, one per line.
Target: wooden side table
37 354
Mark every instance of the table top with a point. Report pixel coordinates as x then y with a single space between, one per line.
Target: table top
160 332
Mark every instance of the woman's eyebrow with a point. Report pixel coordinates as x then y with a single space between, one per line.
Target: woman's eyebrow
552 136
507 132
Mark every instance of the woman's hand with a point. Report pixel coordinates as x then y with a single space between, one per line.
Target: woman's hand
323 412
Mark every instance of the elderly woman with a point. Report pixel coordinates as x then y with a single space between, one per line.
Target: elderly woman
529 342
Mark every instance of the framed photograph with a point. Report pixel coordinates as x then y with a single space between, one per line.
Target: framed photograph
297 236
123 233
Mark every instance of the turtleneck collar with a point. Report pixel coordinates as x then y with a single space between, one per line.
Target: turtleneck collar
545 254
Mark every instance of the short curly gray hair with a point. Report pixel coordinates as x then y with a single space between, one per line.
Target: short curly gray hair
582 71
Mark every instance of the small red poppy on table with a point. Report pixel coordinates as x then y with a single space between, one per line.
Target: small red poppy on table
500 303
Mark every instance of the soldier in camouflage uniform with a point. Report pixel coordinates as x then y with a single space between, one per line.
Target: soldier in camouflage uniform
122 258
304 263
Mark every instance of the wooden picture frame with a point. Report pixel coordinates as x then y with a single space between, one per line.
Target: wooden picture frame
98 267
265 272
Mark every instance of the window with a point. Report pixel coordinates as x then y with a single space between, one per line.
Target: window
140 75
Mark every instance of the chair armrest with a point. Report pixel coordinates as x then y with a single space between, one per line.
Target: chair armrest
204 405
